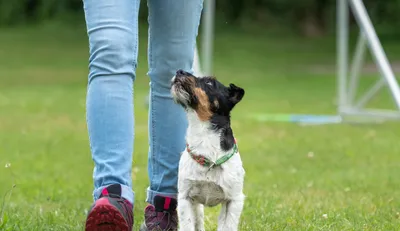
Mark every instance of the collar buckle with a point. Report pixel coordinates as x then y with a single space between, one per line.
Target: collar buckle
212 165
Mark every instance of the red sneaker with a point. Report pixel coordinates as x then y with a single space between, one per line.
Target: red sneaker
162 216
110 212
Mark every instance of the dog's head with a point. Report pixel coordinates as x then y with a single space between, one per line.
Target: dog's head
207 96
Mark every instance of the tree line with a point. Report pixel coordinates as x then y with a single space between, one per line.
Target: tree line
307 17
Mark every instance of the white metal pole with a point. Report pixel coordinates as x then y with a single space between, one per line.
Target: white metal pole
342 18
356 67
370 93
208 36
376 48
196 64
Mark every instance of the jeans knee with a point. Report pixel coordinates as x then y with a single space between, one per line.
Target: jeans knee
112 51
167 61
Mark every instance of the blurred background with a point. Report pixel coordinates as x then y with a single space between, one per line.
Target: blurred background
282 52
310 18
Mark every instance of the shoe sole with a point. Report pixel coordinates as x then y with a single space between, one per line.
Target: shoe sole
105 217
143 227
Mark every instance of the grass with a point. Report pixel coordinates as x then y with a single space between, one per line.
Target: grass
333 177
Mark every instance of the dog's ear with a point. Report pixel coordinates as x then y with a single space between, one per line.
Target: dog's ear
235 94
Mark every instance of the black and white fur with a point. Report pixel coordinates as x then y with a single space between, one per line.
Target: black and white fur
208 104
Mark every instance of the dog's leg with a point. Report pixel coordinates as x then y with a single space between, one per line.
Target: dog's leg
199 216
186 215
230 215
222 217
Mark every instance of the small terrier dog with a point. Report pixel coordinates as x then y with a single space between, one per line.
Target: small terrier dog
210 168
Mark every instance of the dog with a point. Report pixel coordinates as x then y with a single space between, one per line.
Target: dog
210 168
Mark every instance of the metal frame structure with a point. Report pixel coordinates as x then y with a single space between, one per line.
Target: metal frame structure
196 64
348 80
207 41
350 109
208 36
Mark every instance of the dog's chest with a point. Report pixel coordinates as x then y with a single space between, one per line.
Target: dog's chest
210 187
207 193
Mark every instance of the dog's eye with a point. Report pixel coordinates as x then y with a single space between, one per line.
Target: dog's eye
209 83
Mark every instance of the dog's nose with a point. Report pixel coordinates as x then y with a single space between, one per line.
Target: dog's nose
181 72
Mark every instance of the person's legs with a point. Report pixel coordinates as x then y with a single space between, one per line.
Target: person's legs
112 28
173 27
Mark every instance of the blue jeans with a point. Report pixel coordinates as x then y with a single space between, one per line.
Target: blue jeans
112 27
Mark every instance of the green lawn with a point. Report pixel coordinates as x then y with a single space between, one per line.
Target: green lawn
295 174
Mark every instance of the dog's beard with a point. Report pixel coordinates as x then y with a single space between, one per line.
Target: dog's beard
179 95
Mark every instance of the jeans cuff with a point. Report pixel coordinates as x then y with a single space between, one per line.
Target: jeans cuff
151 194
126 193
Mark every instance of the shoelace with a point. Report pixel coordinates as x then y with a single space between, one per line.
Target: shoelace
126 207
158 221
